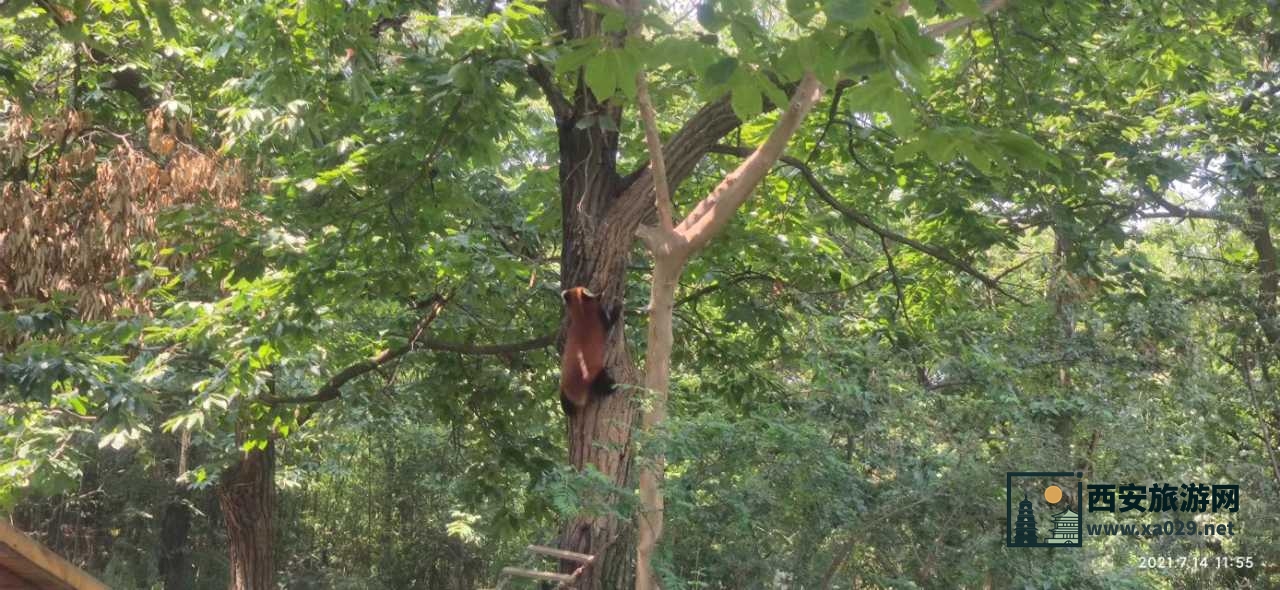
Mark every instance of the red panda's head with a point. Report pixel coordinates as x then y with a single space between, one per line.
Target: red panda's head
577 296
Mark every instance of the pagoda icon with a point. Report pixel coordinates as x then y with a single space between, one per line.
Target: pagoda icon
1059 505
1066 528
1024 532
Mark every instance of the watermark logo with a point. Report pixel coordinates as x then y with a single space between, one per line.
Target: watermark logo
1051 495
1047 509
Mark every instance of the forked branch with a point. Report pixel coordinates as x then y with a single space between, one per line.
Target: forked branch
711 214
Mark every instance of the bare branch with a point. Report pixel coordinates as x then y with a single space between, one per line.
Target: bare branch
1184 213
714 212
831 119
649 120
333 387
897 280
866 222
657 165
718 285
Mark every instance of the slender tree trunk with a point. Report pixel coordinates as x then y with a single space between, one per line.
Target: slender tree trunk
174 561
1067 294
246 497
1258 228
173 555
657 364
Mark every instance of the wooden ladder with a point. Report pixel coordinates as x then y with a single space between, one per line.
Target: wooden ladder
565 580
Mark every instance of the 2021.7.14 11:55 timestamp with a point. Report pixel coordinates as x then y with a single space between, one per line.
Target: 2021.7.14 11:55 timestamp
1217 561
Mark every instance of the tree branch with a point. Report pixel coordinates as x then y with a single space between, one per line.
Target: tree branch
716 286
560 106
681 154
649 120
941 29
714 212
487 349
866 222
1184 213
897 280
128 80
332 389
657 165
831 119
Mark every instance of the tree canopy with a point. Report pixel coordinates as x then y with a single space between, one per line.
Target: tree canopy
279 288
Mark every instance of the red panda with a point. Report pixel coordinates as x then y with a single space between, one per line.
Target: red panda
582 371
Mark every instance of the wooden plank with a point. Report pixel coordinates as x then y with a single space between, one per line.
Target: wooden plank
24 557
561 554
536 575
10 581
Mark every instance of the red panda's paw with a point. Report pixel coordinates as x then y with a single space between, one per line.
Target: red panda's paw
603 384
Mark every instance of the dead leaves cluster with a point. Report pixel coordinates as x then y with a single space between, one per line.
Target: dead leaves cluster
71 228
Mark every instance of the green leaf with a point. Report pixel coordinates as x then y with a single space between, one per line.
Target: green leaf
164 16
968 8
772 92
721 71
746 100
847 11
628 66
906 152
801 11
791 64
976 156
1024 150
925 8
902 114
710 17
874 95
575 58
601 76
614 22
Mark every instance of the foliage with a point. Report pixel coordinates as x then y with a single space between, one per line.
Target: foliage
211 210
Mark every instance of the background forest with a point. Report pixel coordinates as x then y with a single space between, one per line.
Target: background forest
279 286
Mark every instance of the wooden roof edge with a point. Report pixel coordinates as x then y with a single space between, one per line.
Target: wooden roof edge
46 560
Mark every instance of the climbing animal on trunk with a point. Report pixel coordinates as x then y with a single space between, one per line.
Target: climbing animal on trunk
582 372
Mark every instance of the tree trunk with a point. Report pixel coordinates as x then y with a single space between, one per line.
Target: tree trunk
1066 292
1257 227
600 213
174 554
666 277
246 497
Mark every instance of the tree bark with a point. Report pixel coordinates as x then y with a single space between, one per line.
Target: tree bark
1257 227
174 563
173 554
657 381
246 497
